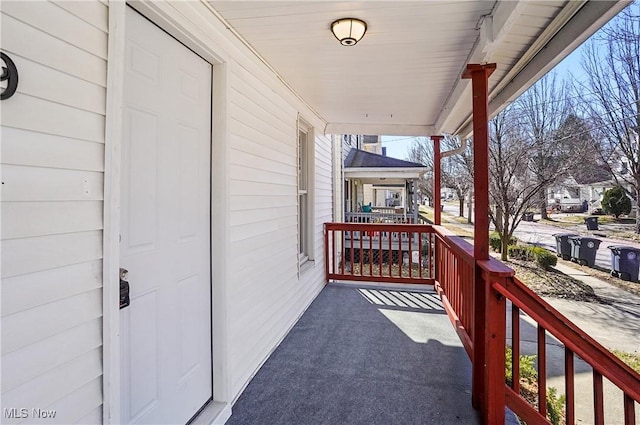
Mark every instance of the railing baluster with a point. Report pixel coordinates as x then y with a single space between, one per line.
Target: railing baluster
410 255
344 260
569 386
462 277
470 296
457 280
360 253
542 371
379 253
371 233
515 348
420 255
598 399
629 411
390 256
433 251
399 253
352 243
327 260
334 251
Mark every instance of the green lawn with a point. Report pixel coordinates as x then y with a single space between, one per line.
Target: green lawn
632 359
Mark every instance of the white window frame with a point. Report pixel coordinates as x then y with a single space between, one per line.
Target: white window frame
305 142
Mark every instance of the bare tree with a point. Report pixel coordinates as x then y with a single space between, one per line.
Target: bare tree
421 151
611 96
513 186
541 110
577 144
455 173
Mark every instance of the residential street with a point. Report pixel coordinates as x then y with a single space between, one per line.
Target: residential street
542 235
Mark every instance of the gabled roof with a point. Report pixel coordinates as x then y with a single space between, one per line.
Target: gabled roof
362 159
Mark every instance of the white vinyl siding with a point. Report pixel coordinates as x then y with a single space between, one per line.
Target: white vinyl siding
266 295
53 205
52 208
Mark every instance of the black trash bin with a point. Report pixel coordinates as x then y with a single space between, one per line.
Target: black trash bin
583 250
591 222
625 262
563 247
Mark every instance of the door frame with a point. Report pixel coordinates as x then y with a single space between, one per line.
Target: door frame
182 27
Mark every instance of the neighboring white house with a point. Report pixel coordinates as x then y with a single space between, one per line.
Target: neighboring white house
568 196
184 148
374 180
572 192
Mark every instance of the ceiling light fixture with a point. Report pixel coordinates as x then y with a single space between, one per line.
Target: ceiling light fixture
348 30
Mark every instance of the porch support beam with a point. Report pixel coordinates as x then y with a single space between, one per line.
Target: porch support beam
479 75
437 175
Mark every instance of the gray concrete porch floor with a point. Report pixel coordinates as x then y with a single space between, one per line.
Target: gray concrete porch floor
364 356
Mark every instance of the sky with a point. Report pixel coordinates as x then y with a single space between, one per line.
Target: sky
398 146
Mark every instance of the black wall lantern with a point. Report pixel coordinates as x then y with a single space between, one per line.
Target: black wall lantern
10 75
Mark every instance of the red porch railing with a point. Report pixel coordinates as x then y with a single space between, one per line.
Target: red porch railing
576 343
378 217
399 253
451 267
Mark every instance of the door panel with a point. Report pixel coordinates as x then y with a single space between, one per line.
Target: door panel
165 226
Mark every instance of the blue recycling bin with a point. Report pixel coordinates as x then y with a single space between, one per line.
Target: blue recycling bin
563 247
625 262
583 250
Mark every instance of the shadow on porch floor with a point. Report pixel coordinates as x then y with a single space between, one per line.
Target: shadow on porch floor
364 356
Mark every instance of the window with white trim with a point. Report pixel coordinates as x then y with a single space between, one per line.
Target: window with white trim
305 200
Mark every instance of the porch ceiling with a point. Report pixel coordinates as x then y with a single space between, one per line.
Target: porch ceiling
403 77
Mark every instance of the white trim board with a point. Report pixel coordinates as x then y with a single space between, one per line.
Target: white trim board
111 231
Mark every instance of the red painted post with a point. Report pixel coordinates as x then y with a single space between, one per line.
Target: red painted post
326 254
569 369
437 176
479 75
629 411
598 399
495 350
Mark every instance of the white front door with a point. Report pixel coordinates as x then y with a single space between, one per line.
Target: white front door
165 225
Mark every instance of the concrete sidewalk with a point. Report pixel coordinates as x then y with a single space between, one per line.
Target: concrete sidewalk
541 234
615 325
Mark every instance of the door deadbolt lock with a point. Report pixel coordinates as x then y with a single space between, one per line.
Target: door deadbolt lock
124 288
